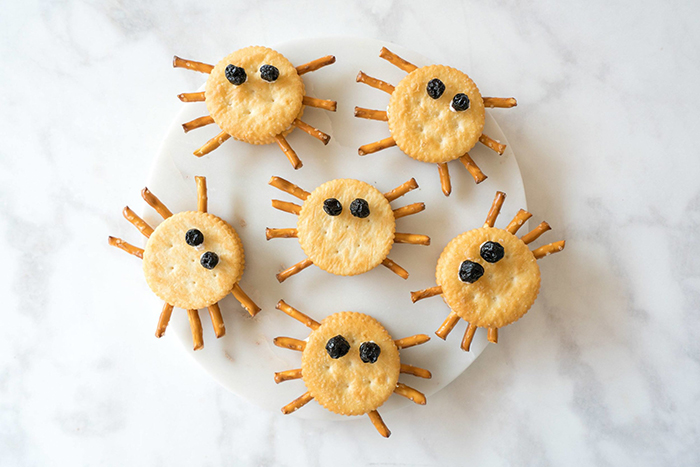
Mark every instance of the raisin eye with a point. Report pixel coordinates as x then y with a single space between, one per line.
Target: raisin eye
194 237
235 74
332 207
460 102
269 73
435 88
359 208
492 252
337 347
369 352
470 271
209 260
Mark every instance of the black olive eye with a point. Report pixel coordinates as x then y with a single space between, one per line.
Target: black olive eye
269 73
435 88
470 271
369 352
460 102
332 207
209 260
235 74
492 252
194 237
337 347
359 208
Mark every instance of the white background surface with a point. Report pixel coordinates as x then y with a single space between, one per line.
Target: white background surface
604 369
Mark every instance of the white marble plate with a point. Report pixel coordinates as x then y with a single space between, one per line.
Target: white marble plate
245 359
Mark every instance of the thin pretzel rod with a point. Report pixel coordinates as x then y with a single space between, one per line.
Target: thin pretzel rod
297 403
547 250
139 223
408 210
518 221
280 233
401 190
502 102
492 144
448 325
468 337
286 207
287 375
426 293
297 315
495 209
164 319
535 233
473 169
445 178
155 203
411 341
191 96
197 123
315 132
397 61
379 424
315 64
297 268
245 300
375 83
376 146
413 239
289 343
128 247
492 335
371 114
217 320
288 187
196 327
191 65
320 103
201 193
410 393
289 152
415 371
395 268
212 144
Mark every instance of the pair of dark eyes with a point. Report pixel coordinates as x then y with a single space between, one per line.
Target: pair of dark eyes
209 259
436 88
338 347
237 75
358 208
491 252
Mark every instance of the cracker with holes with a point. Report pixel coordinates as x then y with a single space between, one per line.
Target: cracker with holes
350 365
192 260
346 227
488 276
435 114
255 95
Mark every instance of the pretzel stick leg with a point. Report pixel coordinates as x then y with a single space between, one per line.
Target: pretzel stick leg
468 336
397 61
297 268
212 144
297 403
164 319
196 327
518 221
473 169
411 341
316 133
447 326
139 223
376 146
426 293
395 268
289 343
547 250
492 335
129 248
535 233
315 64
191 65
280 233
197 123
413 239
408 210
410 393
191 96
502 102
495 209
155 203
289 152
320 103
492 144
415 371
375 83
379 424
282 376
445 178
245 300
370 114
288 187
217 320
401 190
286 207
201 193
297 315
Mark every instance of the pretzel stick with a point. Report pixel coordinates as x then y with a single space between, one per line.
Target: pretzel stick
155 203
410 393
315 64
201 193
375 83
493 335
297 268
191 96
371 114
518 221
196 327
288 187
376 146
280 233
320 103
297 315
245 300
217 320
468 336
395 268
547 250
164 319
197 123
129 248
289 343
495 209
287 375
191 65
447 326
288 151
535 233
286 207
397 61
411 341
379 424
445 178
401 190
139 223
413 239
316 133
473 169
426 293
297 403
415 371
212 144
408 210
502 102
492 144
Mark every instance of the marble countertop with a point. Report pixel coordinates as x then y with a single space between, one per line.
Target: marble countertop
605 370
